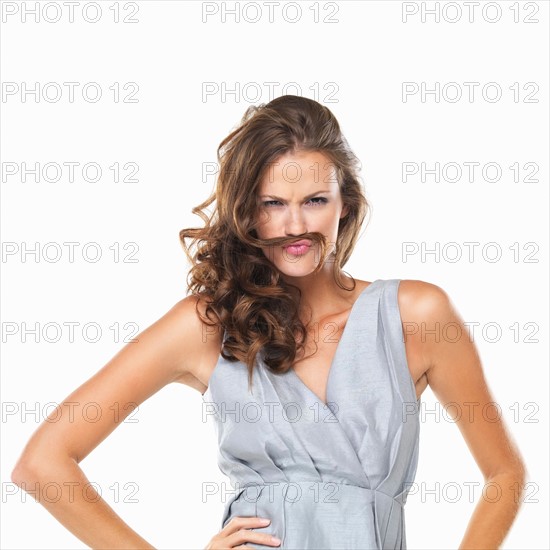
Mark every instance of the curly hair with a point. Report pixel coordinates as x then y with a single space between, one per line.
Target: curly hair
244 291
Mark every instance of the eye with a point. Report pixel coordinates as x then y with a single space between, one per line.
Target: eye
321 199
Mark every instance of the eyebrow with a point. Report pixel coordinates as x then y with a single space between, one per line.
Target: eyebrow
306 197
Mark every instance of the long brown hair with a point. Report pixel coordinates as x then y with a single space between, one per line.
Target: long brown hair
242 288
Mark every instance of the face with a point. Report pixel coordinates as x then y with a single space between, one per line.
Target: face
299 193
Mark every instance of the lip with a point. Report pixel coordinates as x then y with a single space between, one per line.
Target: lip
303 242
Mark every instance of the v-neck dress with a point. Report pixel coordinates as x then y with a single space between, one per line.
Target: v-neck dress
332 475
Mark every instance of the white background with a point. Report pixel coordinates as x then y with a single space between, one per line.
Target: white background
168 452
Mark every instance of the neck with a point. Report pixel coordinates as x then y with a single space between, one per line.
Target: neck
321 296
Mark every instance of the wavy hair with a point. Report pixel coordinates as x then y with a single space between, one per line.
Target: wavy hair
243 290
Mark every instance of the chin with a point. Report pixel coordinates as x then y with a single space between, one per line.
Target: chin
296 271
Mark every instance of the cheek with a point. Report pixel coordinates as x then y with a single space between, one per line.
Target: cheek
266 225
329 219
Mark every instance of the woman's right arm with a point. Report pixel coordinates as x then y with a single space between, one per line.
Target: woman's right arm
163 353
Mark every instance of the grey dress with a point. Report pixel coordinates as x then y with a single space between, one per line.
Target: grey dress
332 475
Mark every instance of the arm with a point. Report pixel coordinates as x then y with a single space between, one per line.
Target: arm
163 354
455 375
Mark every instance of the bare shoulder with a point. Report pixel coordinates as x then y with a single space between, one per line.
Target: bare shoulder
422 305
201 340
421 299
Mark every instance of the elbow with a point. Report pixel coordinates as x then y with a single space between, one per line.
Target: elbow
520 473
40 464
515 472
519 470
21 474
26 470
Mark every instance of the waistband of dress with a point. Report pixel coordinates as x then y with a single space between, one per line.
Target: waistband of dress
326 490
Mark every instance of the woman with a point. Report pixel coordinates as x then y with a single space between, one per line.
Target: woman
323 388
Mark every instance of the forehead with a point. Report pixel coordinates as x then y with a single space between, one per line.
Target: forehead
303 169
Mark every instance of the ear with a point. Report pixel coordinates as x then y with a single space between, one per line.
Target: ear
345 211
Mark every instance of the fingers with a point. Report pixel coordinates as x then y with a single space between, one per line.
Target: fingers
240 530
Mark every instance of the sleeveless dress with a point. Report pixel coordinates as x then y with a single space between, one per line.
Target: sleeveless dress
332 475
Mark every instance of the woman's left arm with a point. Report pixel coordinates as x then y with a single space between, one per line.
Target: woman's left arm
455 375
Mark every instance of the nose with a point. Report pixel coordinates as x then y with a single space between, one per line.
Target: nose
295 223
